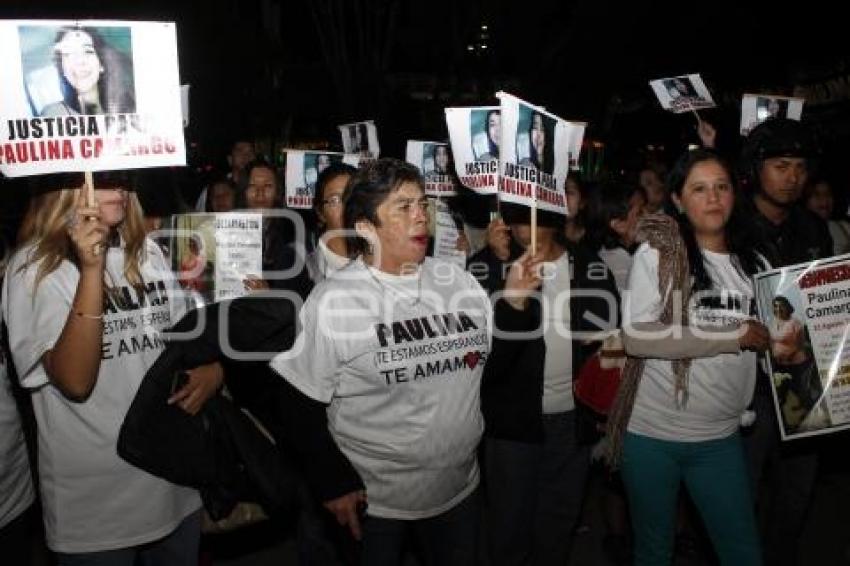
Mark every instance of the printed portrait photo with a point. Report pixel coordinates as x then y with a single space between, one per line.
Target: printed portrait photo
77 70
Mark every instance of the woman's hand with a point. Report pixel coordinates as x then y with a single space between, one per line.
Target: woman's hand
754 336
707 134
88 234
462 243
254 283
523 278
204 382
347 510
499 239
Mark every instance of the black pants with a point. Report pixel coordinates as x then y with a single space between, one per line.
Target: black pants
793 468
17 538
449 539
534 494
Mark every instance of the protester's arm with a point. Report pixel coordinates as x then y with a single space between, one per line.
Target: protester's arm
329 473
72 364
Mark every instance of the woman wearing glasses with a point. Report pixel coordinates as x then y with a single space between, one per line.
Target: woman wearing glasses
331 251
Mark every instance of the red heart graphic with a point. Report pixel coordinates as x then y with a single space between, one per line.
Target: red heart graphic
471 359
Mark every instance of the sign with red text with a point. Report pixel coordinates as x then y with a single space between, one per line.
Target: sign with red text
806 308
89 95
303 169
535 155
684 93
434 162
475 135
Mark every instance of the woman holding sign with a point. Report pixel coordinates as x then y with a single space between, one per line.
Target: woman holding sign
385 377
87 296
691 368
94 78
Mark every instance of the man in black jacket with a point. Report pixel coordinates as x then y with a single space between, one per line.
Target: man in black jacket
777 160
535 464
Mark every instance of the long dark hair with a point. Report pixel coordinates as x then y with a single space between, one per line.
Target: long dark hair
548 157
736 232
493 147
115 87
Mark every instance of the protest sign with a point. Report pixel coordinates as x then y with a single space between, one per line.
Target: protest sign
302 172
213 254
806 307
475 135
684 93
434 161
535 155
445 235
88 96
756 108
360 138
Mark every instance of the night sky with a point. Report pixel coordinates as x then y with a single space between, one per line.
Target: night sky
290 70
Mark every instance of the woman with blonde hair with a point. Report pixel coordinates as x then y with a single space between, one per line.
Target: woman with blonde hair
86 298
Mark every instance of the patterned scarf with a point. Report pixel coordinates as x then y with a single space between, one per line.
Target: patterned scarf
674 285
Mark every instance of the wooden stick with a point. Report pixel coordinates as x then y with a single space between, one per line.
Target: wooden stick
534 225
696 114
89 189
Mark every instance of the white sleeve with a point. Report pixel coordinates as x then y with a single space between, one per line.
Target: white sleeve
34 322
313 363
645 337
642 302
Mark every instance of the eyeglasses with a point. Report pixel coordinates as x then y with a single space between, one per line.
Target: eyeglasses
332 201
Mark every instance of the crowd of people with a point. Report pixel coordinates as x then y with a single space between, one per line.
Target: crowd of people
423 402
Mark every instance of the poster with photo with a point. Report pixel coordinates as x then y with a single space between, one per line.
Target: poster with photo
89 96
682 94
576 139
475 134
446 234
756 108
806 308
212 254
535 155
434 161
360 138
302 172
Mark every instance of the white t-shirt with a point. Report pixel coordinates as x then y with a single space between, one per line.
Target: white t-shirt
719 387
93 500
558 365
16 491
399 359
323 262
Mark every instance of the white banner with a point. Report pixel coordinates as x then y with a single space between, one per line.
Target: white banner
88 96
475 135
302 172
535 155
434 161
806 307
682 94
360 138
756 108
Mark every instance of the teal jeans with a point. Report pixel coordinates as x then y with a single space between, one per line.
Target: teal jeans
714 473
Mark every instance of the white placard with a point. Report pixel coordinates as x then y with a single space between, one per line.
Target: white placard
475 135
682 94
756 108
535 155
434 162
361 138
302 172
88 96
